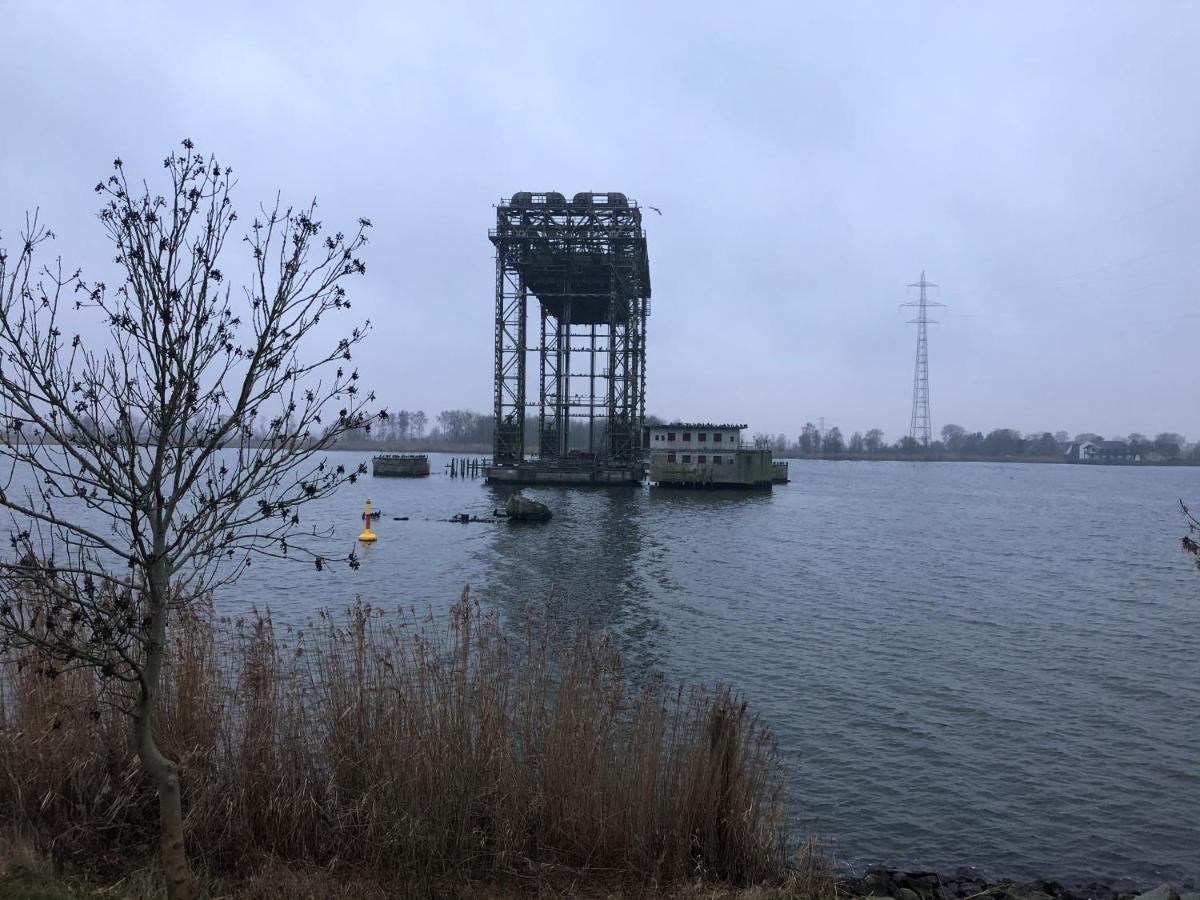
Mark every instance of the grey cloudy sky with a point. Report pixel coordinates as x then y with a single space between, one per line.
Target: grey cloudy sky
1039 160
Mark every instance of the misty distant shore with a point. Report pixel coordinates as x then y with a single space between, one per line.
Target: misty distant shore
478 449
885 456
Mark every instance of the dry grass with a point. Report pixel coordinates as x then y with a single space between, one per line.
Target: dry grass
407 749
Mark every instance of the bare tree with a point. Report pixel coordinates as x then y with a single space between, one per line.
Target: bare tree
145 485
1190 544
810 438
832 442
952 437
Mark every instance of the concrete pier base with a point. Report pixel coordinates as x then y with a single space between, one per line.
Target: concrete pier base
592 476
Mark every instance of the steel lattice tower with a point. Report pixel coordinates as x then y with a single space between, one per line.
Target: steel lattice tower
585 262
919 427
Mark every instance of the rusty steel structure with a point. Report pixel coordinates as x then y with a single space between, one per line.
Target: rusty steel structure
585 262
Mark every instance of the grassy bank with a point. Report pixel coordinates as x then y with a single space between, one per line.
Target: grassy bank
383 750
31 878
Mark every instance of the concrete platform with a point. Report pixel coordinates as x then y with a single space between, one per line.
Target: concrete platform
565 475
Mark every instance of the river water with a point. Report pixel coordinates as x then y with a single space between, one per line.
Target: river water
965 664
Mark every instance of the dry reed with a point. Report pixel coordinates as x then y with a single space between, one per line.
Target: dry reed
404 747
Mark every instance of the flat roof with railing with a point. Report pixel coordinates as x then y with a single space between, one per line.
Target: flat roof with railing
698 426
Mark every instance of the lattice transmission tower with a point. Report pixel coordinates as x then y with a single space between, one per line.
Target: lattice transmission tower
919 427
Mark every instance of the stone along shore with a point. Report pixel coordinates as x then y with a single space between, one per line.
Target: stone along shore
966 883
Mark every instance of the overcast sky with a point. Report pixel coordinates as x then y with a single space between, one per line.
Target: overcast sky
1040 161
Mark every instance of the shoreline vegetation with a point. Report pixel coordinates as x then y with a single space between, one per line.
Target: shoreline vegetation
907 452
361 445
883 455
382 754
468 431
900 456
398 749
26 875
880 456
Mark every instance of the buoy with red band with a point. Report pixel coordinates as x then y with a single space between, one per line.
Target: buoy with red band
367 536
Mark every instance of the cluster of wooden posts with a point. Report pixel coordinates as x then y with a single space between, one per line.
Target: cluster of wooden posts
462 467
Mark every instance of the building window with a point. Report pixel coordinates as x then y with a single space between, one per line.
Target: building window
670 457
687 436
701 436
687 458
670 435
731 460
701 459
716 437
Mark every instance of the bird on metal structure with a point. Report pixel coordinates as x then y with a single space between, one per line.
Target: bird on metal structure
655 208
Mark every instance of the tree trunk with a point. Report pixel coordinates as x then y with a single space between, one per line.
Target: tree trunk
163 772
165 775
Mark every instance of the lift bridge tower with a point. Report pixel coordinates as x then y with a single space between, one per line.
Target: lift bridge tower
585 263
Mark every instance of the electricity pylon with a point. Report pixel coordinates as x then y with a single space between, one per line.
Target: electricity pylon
919 427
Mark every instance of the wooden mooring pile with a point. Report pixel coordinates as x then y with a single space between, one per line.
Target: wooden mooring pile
462 467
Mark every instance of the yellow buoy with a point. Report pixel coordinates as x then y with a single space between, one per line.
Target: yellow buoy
367 536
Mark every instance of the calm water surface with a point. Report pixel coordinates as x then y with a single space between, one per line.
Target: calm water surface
965 664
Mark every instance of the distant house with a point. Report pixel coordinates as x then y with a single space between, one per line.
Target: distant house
1084 451
1115 451
1103 452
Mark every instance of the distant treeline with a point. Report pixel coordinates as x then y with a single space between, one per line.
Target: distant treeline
958 442
465 429
459 428
456 428
469 429
451 429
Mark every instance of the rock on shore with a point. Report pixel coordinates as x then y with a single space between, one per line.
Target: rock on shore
895 885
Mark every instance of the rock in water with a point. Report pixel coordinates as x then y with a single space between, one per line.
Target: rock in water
878 883
522 509
1162 892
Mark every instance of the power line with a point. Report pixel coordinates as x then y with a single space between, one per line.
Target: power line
919 426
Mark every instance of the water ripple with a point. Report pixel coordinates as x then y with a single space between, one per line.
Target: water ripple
975 664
